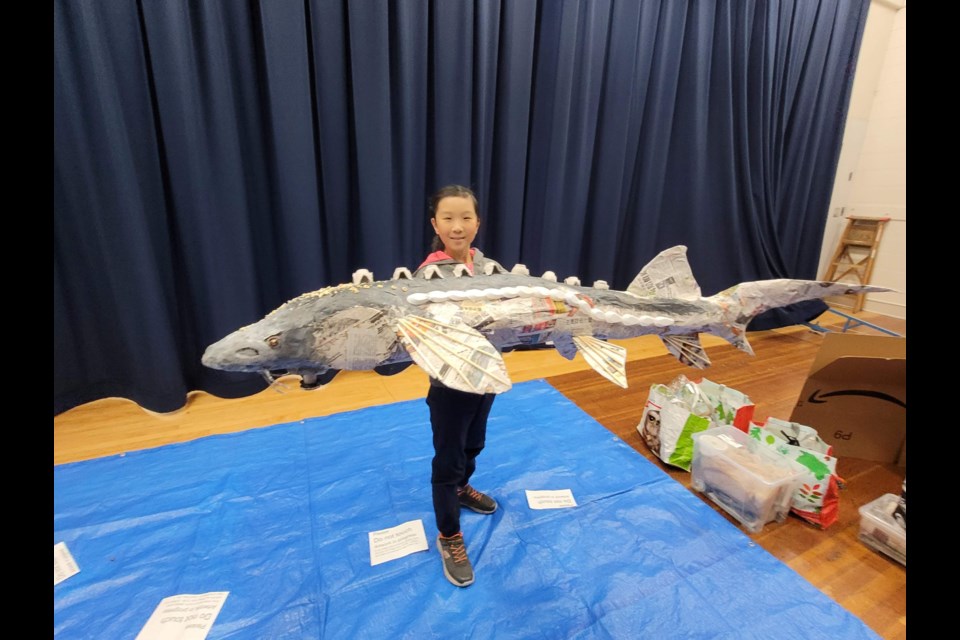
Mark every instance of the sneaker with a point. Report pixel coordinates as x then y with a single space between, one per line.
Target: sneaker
456 564
476 501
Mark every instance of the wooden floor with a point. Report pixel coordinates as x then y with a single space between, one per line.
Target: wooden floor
867 584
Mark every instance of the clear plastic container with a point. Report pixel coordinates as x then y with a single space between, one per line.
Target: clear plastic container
880 531
747 479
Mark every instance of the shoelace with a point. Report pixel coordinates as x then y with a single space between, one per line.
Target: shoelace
473 493
457 549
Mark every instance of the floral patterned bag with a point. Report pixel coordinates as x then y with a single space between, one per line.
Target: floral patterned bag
729 405
676 411
817 500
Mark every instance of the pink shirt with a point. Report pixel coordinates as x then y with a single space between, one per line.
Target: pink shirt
437 256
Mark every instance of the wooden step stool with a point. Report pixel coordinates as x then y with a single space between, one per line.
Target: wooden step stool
856 253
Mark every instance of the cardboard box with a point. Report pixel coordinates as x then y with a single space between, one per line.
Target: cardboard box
855 396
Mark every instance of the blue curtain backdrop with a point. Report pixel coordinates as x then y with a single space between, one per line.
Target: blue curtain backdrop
215 159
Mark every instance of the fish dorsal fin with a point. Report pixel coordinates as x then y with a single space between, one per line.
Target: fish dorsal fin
456 355
609 360
666 276
688 350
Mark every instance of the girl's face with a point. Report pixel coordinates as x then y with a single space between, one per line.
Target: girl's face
457 223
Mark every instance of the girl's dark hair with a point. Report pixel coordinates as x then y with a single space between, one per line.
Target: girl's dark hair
450 191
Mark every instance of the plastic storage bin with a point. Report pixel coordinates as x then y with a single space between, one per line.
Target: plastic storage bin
749 480
879 531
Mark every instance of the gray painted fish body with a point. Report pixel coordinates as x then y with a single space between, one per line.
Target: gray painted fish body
455 327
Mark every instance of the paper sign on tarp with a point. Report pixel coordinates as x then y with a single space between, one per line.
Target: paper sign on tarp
551 499
64 565
397 542
188 616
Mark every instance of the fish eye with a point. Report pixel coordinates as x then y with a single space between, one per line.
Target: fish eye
273 341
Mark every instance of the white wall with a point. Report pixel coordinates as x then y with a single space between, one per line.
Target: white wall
872 171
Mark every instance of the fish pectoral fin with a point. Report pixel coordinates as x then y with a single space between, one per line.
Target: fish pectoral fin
392 369
609 360
688 350
456 355
742 344
565 346
739 340
736 334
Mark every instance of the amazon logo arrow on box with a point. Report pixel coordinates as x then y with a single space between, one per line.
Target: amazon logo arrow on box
847 396
819 398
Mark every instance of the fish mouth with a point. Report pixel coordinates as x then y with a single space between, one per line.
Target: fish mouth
309 378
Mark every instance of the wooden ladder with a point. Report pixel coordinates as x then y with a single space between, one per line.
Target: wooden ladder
856 253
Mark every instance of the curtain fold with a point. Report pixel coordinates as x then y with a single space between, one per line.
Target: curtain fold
214 159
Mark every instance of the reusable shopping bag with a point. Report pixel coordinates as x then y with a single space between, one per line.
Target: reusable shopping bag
676 411
817 499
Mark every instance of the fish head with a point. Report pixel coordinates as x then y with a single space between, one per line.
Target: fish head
268 345
311 335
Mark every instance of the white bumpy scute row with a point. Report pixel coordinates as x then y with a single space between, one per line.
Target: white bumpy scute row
572 298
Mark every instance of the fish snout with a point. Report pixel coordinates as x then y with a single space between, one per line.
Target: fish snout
227 355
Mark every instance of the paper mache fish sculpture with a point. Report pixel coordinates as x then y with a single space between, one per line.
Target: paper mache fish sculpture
455 327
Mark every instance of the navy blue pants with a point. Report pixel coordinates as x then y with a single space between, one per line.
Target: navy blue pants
459 422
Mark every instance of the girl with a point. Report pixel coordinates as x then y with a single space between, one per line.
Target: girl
458 419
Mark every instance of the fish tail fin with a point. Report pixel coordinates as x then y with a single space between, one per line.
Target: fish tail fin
753 298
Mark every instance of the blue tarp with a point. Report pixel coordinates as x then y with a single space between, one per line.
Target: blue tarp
279 518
